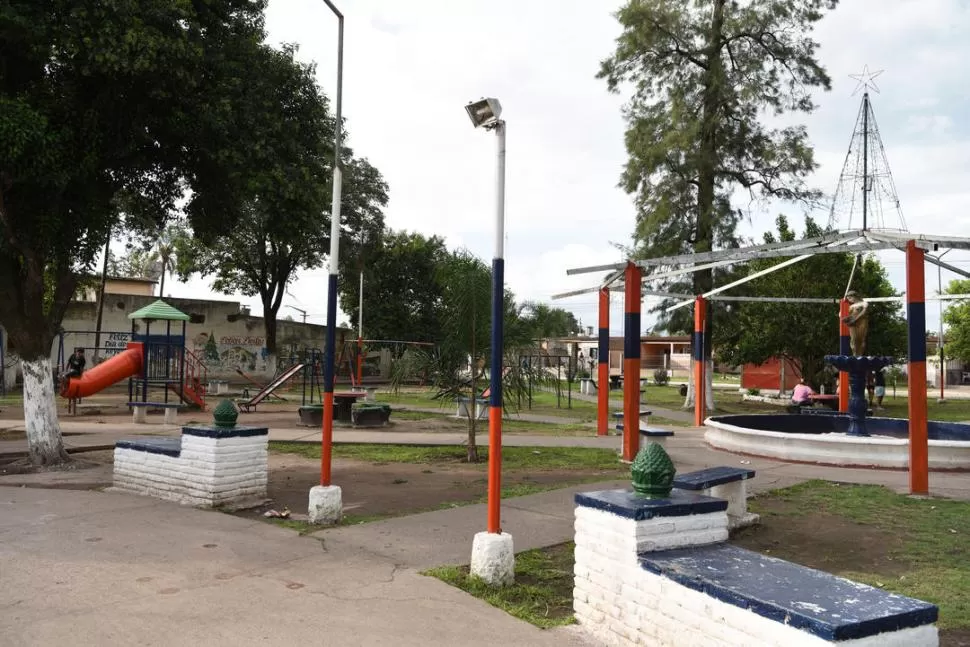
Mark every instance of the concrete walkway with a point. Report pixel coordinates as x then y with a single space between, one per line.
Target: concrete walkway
100 569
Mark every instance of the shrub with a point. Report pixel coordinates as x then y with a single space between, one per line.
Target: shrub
661 377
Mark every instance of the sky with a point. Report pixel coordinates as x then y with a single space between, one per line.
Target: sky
410 68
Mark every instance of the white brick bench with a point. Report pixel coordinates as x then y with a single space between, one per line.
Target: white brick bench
657 572
206 466
729 483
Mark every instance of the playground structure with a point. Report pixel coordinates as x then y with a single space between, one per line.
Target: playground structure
155 364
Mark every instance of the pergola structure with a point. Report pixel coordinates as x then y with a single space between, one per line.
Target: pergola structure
629 277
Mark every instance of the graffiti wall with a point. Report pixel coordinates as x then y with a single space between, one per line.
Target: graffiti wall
228 353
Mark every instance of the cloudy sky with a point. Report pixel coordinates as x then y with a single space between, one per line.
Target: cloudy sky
410 67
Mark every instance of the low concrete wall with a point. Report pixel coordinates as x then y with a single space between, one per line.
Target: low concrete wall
656 572
836 449
206 467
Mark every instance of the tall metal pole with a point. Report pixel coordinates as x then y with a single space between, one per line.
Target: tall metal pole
104 281
498 346
865 160
360 331
326 448
939 288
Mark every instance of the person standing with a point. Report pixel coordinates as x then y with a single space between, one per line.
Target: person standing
880 388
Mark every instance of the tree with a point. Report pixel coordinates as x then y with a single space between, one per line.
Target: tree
957 320
110 114
547 321
703 75
804 333
458 362
283 230
402 299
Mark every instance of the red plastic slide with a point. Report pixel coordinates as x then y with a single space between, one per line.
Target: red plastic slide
120 367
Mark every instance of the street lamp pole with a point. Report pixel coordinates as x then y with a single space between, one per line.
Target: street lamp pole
326 501
301 311
493 559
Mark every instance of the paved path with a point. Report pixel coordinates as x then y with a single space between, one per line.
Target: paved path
101 569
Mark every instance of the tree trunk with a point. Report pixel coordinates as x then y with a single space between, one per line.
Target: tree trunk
472 446
161 287
45 445
709 391
269 327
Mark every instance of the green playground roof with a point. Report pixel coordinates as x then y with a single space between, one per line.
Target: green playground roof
159 311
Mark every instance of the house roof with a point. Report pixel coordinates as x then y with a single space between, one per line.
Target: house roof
159 310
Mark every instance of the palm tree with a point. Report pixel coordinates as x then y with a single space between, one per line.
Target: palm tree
457 365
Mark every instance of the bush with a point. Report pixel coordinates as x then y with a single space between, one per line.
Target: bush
754 391
661 377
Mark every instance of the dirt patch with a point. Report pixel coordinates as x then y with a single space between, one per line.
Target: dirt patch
92 472
826 542
396 488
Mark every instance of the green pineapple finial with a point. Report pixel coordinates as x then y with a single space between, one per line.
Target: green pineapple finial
653 472
225 414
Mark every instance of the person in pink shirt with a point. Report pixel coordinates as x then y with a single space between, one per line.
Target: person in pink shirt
802 393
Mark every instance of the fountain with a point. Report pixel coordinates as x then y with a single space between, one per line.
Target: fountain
832 438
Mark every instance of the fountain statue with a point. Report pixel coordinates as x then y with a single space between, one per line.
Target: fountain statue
858 365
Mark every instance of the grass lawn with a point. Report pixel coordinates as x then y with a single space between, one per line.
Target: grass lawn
543 589
916 547
543 402
558 458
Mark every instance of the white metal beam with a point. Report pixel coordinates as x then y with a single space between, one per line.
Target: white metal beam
750 277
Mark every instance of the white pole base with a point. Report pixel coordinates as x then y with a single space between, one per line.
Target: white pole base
326 504
493 558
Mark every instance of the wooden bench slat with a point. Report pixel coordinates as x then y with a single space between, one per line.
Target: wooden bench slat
710 477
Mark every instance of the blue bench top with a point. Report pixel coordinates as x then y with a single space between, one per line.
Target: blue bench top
167 405
627 504
165 445
652 433
704 479
816 602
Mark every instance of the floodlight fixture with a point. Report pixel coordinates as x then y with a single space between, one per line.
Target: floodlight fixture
485 113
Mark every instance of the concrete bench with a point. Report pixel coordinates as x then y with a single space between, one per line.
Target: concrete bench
139 411
481 407
370 415
218 387
206 466
650 434
729 483
659 572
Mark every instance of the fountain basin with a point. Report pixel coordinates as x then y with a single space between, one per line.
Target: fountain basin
823 439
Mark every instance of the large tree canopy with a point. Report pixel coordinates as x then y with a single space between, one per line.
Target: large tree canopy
805 332
402 298
704 74
141 107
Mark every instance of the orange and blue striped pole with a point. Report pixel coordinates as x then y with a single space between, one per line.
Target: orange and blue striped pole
631 362
497 350
919 480
603 369
700 397
845 348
